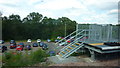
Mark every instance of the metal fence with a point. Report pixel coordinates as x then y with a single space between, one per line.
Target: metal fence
106 32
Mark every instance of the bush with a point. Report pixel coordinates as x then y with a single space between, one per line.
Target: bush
38 56
53 40
24 59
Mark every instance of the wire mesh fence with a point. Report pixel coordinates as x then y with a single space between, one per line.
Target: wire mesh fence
106 32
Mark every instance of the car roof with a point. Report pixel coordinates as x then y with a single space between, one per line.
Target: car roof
34 43
45 45
21 43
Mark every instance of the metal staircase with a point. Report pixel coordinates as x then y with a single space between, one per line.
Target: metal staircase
73 46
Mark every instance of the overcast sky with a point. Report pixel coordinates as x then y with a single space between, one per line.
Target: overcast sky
82 11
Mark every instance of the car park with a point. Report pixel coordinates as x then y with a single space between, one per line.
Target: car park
45 47
38 40
1 41
27 47
12 46
29 41
4 48
41 44
52 53
21 44
19 48
48 40
35 45
12 42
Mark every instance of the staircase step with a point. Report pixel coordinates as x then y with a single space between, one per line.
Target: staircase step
77 43
70 47
63 52
67 50
73 45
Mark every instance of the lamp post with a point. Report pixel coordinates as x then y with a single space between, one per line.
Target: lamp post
65 29
76 29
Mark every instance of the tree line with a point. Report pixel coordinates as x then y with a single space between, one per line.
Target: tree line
35 26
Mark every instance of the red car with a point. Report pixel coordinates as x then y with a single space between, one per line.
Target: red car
12 46
19 48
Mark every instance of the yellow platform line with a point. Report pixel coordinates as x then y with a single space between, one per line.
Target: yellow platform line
94 44
77 44
63 52
67 50
69 47
73 45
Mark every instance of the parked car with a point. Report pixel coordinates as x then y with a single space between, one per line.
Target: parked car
12 46
4 48
21 44
41 44
52 53
35 45
48 40
29 41
57 40
62 43
1 41
45 47
19 48
27 47
38 40
12 42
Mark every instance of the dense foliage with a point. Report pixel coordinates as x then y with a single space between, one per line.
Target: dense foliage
24 59
35 26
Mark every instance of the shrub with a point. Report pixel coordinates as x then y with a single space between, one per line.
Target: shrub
38 56
53 40
24 59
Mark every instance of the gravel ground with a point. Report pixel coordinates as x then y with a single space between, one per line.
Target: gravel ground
86 62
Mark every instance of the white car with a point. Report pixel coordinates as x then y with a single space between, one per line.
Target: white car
62 43
48 40
38 40
29 41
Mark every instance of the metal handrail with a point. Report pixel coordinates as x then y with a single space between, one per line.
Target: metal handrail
74 48
74 36
72 43
66 36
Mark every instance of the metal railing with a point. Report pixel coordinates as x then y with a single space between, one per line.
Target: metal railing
75 41
69 39
67 36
